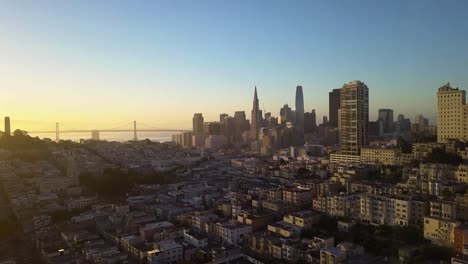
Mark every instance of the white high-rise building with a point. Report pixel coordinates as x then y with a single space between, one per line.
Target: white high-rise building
354 117
452 114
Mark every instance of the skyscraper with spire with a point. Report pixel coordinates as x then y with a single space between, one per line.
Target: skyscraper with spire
299 109
256 118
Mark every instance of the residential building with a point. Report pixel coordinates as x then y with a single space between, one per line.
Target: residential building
452 114
298 196
166 252
386 156
354 117
302 219
232 233
440 231
461 175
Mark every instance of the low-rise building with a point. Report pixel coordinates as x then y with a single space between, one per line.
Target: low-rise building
386 156
440 231
232 233
166 252
298 196
302 219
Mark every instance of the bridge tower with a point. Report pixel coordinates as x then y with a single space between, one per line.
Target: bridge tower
134 131
57 138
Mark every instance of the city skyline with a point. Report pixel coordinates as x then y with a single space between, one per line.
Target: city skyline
98 64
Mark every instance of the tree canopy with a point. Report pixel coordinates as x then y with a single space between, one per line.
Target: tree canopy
116 182
440 155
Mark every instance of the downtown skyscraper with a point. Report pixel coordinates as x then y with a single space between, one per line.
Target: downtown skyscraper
354 117
299 120
256 117
197 124
333 107
7 126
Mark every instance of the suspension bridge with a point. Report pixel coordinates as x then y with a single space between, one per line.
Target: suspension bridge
127 127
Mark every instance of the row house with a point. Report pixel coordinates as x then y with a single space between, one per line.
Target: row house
298 196
342 205
391 210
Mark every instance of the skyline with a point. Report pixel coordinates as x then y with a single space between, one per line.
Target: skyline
159 63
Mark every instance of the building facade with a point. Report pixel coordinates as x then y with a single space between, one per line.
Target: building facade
354 117
198 122
452 114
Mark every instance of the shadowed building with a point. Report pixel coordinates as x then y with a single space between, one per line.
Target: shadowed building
386 115
299 120
310 122
198 122
333 106
241 124
7 126
286 115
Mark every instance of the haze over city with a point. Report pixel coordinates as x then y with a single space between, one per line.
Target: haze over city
159 62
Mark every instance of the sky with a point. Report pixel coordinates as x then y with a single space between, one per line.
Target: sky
100 64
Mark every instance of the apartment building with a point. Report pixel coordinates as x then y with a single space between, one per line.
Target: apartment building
443 209
451 114
166 252
385 156
232 233
302 219
400 210
440 231
298 196
461 175
341 205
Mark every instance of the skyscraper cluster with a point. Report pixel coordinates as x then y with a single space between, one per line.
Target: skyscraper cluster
347 126
263 132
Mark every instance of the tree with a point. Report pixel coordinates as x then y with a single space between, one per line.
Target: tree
440 155
303 173
20 133
404 145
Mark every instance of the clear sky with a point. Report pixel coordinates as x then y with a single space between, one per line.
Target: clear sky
94 64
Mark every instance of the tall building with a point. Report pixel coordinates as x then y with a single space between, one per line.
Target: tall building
386 115
325 121
421 123
452 114
333 106
240 125
310 122
222 117
186 139
286 115
95 135
256 118
212 128
354 117
7 126
198 122
299 121
403 124
228 128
